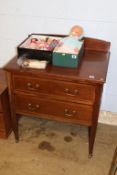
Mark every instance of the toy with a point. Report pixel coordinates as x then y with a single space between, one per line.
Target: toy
72 43
42 43
76 31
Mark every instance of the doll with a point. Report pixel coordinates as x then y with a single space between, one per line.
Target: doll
76 31
71 44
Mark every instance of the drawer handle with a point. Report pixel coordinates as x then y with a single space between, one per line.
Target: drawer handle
74 93
69 113
33 107
30 86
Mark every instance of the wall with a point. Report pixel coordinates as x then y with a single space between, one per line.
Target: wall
99 19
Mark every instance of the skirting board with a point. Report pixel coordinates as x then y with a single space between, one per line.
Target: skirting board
107 117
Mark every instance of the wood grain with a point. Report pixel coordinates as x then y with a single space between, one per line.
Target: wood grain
64 94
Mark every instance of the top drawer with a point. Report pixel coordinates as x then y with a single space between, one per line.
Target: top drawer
60 89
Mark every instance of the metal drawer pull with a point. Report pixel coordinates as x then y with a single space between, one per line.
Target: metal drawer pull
69 113
74 93
30 86
33 107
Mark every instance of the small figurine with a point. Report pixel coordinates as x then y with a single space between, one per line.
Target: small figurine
53 44
72 44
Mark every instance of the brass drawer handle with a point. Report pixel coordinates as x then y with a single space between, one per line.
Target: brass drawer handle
74 93
69 113
33 107
30 86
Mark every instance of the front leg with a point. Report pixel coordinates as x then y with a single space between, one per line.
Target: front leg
92 134
15 126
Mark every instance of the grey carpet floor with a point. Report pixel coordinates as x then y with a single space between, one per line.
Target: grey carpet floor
55 148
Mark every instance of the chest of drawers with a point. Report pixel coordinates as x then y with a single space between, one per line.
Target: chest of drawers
5 119
62 94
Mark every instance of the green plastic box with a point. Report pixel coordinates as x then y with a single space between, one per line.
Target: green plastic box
67 60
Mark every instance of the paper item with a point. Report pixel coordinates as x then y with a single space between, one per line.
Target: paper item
31 63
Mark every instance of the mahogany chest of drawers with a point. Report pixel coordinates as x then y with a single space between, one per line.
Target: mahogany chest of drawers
5 120
62 94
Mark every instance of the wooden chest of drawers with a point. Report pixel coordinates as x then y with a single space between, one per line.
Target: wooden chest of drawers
5 120
62 94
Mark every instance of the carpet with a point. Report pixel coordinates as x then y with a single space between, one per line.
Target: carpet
56 148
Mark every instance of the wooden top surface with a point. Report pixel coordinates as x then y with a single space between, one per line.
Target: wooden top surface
3 82
92 69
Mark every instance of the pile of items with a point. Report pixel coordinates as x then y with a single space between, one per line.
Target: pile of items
37 50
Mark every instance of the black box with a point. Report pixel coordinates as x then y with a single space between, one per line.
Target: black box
37 53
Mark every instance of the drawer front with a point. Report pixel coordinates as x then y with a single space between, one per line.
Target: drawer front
2 126
60 89
55 109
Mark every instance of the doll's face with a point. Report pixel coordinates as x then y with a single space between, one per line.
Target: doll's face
76 31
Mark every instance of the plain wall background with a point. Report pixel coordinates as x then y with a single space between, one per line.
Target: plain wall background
18 18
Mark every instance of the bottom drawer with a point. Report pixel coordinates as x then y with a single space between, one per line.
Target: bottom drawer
56 110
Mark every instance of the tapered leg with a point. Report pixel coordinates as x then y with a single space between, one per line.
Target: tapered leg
92 129
15 127
92 134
